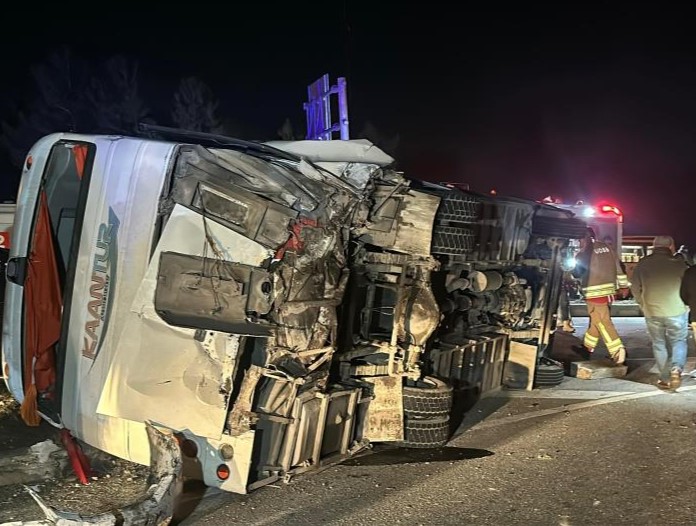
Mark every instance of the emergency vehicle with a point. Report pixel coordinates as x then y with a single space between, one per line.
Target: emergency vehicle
606 220
7 211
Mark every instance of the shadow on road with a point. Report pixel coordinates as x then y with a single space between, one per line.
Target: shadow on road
389 456
194 492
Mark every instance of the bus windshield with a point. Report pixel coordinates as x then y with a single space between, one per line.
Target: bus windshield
49 259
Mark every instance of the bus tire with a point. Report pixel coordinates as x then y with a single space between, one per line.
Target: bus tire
425 434
426 399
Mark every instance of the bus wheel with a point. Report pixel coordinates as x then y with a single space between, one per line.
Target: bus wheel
427 398
425 433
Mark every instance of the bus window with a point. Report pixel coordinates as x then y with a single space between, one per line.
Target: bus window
62 180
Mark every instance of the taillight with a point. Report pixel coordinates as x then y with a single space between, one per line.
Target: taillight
223 472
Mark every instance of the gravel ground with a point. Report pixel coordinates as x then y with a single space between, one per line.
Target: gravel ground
115 483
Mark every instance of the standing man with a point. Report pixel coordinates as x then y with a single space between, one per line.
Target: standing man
600 277
657 280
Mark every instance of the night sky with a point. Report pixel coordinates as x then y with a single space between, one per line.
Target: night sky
579 102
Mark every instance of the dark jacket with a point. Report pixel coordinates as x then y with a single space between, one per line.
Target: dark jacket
687 290
599 271
656 284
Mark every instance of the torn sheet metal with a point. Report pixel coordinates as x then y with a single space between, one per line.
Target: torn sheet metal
358 175
270 179
158 363
256 218
241 416
232 169
155 508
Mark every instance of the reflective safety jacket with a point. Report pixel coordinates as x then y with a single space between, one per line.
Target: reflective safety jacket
599 271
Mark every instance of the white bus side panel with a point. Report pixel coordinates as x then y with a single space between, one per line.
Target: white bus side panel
161 373
117 237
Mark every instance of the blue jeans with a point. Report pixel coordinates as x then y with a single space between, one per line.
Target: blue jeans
668 337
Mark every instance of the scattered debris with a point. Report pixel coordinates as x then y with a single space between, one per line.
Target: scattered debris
102 501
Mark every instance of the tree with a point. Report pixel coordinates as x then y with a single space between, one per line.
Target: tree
195 107
286 132
115 97
69 97
58 104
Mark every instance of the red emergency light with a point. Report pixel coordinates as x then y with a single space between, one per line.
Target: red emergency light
609 208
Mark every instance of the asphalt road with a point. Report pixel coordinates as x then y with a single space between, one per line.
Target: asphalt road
604 452
587 452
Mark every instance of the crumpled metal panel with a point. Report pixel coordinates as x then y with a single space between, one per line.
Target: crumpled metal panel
402 222
259 219
223 168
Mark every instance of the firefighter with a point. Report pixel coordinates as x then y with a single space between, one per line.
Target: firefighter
600 277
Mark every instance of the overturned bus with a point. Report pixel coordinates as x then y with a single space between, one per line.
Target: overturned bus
279 306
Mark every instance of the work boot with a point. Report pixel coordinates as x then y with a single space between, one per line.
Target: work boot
619 357
568 326
675 378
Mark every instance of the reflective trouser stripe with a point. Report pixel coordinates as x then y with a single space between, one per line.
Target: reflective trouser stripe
590 341
613 344
597 291
601 325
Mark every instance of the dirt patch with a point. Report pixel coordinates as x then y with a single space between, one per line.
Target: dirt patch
118 483
14 433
